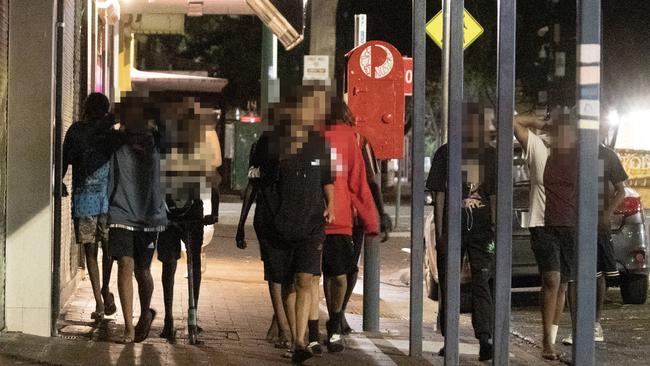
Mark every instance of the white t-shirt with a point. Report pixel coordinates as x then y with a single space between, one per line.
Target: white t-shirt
536 155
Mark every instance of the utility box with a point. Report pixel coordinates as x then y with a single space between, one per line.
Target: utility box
375 90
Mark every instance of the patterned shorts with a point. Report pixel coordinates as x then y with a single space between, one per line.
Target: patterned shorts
93 229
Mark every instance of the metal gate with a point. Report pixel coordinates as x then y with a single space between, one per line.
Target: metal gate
588 97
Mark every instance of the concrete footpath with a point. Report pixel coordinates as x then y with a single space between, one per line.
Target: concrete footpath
235 312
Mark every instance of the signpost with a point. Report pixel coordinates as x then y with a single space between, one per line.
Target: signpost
316 67
472 29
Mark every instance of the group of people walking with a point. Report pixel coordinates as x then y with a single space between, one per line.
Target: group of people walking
312 176
314 181
122 201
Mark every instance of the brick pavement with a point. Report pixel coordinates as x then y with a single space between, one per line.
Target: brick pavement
234 311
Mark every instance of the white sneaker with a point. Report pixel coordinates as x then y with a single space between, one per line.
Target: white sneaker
598 336
598 333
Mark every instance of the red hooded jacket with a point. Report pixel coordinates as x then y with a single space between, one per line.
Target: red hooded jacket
352 196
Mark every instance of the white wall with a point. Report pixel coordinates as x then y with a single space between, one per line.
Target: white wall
29 166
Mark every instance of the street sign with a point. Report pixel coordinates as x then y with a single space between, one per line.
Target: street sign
316 67
472 29
408 75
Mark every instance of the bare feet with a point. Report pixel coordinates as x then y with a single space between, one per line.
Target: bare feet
129 335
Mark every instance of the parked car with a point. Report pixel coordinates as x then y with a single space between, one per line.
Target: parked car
629 234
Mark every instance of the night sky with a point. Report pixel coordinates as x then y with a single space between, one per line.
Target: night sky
626 40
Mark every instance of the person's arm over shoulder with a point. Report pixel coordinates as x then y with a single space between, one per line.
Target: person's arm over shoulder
522 125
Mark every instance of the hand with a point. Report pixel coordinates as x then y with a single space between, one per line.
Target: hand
386 226
328 214
64 190
239 239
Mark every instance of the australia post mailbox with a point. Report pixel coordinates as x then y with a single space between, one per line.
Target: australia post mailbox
375 88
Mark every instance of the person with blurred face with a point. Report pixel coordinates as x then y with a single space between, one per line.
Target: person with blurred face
560 214
295 198
136 209
82 148
190 158
477 241
528 129
353 196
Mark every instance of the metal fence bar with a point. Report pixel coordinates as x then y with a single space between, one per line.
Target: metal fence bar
452 113
506 29
588 102
417 177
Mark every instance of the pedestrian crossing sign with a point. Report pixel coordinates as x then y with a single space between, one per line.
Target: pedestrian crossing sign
473 29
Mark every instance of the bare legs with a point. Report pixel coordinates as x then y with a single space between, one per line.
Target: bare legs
93 272
552 294
125 288
280 316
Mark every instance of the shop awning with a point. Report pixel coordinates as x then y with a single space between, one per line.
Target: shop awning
177 80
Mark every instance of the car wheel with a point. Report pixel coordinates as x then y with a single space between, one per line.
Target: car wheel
634 289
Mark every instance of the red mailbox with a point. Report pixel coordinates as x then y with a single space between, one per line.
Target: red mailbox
375 90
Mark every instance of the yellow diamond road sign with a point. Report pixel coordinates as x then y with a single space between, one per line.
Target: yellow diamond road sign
472 29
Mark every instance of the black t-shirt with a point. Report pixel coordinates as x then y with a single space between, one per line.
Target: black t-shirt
610 173
267 168
83 148
474 220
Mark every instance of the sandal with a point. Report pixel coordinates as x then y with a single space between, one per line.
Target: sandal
142 329
551 356
97 315
109 305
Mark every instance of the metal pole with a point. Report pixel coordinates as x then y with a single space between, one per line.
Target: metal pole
417 177
588 98
506 29
398 198
371 249
452 115
371 273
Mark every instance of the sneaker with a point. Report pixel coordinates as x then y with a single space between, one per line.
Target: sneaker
315 348
486 351
335 343
567 341
598 336
301 354
598 333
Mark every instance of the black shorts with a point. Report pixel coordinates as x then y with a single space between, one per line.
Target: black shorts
606 265
138 245
281 265
338 256
169 242
554 249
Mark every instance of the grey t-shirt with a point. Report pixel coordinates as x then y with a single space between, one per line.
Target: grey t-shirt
137 199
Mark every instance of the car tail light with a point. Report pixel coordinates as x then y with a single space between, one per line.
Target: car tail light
630 206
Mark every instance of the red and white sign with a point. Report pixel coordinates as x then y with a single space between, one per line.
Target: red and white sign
408 75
